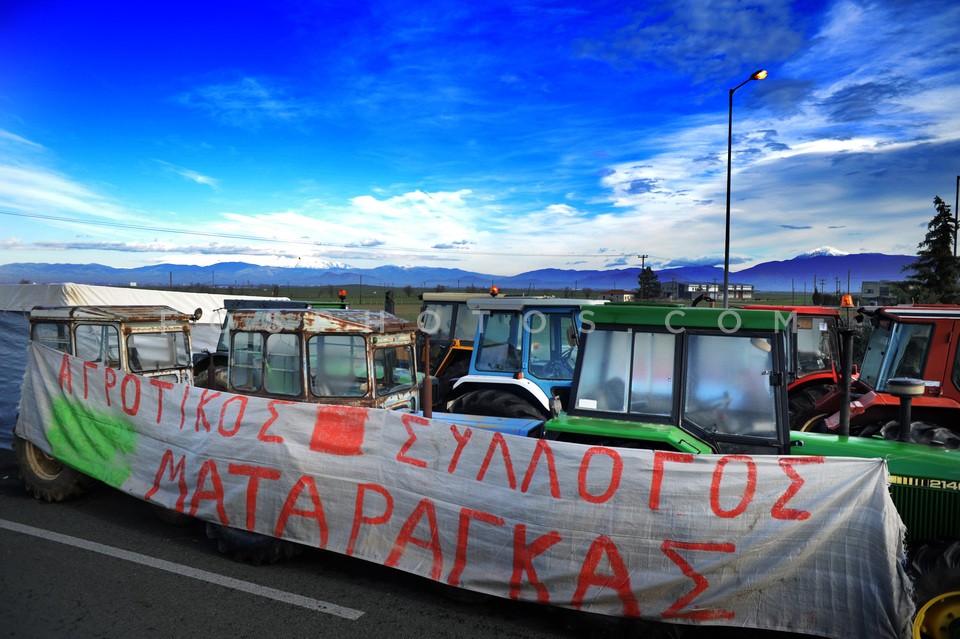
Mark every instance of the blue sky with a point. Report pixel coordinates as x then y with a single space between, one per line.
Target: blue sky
497 137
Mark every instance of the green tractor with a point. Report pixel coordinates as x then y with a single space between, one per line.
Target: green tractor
700 380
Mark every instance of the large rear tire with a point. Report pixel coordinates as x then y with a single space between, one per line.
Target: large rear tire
250 547
802 404
45 477
936 571
496 403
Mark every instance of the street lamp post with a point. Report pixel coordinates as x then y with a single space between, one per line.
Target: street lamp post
757 75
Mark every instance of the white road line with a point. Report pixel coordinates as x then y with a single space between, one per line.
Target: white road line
187 571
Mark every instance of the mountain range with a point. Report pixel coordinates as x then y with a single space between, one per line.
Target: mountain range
826 268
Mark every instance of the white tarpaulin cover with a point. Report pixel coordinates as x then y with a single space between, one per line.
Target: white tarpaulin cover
803 544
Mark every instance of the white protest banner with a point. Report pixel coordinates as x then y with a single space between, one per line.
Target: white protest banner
803 544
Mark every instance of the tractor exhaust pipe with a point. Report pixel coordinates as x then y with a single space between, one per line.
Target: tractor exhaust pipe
905 388
846 375
427 384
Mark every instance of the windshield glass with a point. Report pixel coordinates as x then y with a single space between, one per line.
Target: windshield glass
499 348
338 366
816 345
157 351
895 350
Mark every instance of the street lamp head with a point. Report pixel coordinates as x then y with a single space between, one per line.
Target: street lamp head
759 75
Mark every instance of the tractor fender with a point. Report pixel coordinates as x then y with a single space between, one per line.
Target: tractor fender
525 386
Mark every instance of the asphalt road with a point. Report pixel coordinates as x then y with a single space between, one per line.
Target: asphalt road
103 565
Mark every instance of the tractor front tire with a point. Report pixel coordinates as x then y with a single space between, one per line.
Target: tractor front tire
936 572
45 477
495 403
250 547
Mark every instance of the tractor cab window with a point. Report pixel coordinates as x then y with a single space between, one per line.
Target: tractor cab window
465 328
553 345
627 372
816 345
147 352
246 361
337 366
282 364
499 350
728 389
99 343
437 320
393 369
895 350
53 334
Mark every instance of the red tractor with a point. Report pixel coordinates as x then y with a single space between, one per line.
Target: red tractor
813 358
910 341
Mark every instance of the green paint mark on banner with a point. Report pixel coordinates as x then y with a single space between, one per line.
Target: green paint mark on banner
95 444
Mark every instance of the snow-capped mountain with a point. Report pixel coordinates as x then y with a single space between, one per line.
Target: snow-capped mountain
821 252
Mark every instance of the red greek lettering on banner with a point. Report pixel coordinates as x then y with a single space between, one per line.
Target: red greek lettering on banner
109 381
358 516
65 378
215 494
254 475
616 472
542 450
271 406
619 580
130 410
238 420
424 508
676 610
177 471
305 482
523 554
183 406
462 439
779 510
87 366
161 386
749 490
201 415
408 421
463 539
660 458
499 442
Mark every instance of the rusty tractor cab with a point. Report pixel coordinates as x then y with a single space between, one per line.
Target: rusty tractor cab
324 356
813 356
210 368
152 341
909 341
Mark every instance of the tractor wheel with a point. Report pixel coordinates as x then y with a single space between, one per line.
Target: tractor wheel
45 477
495 403
252 548
813 423
936 572
802 404
447 380
920 432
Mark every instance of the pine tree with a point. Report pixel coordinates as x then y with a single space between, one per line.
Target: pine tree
935 275
649 285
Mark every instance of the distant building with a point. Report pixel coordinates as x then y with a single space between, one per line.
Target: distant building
878 293
617 295
684 291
